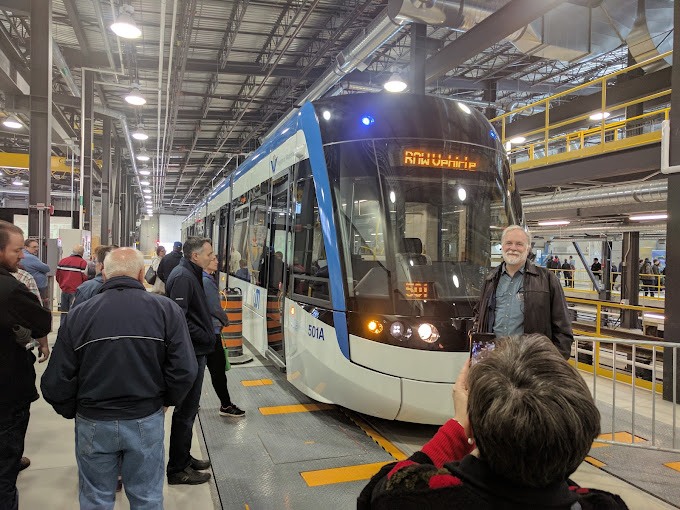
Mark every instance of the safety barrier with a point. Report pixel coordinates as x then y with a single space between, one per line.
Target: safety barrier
640 418
580 282
232 335
274 326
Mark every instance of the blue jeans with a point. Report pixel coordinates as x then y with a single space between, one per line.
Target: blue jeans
183 423
13 425
66 301
131 447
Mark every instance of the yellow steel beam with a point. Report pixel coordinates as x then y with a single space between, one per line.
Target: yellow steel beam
20 161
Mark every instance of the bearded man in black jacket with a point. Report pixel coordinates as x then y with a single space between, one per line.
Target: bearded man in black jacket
22 317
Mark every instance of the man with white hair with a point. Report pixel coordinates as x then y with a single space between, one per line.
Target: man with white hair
120 360
519 297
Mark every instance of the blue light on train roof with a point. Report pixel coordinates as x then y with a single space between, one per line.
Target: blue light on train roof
493 134
367 120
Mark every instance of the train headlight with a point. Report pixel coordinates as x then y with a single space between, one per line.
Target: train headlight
374 327
397 329
428 333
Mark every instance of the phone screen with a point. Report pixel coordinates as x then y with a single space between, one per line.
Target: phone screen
481 344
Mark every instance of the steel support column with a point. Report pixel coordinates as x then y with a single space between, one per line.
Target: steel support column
605 293
116 189
630 277
123 208
671 370
418 57
490 95
40 177
86 162
106 176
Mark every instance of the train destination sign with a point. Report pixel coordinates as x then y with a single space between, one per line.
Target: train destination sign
418 157
419 290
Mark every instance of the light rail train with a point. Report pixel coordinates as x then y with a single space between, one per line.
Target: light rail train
366 224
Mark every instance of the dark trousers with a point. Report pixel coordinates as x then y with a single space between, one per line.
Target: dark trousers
183 423
66 301
13 425
216 367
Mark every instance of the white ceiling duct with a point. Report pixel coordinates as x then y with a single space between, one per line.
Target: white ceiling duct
653 32
655 191
573 32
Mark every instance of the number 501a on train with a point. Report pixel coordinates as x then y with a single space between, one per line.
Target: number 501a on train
365 226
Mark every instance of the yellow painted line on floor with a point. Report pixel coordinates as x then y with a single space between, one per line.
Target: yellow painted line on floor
247 507
386 445
621 437
594 462
341 474
673 465
257 382
295 408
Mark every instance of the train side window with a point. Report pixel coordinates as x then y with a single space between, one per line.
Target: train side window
309 266
257 230
239 236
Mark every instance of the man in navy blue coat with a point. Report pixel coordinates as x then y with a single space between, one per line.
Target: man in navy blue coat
185 287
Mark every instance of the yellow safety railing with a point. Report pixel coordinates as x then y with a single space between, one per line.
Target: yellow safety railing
580 282
603 308
568 139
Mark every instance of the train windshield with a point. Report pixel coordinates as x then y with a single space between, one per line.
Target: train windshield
419 220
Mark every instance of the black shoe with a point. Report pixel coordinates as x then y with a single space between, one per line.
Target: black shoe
189 476
199 465
231 410
24 463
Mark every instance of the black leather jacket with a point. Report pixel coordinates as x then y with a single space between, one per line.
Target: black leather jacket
545 308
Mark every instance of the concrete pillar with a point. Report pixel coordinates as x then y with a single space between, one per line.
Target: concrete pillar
86 162
40 176
630 277
418 57
672 312
106 173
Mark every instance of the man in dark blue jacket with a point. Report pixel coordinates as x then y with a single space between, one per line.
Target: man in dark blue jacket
169 262
19 307
120 360
185 287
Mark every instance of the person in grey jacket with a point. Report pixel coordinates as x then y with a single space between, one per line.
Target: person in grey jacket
216 359
89 288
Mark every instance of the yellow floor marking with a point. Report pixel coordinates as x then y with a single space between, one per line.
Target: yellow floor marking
673 465
295 408
257 382
594 462
341 474
621 437
373 434
247 507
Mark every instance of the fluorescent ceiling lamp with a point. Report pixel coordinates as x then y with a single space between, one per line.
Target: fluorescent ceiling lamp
17 182
144 172
144 183
147 191
135 97
654 316
465 108
125 25
143 155
140 134
645 217
518 140
599 115
12 122
395 83
553 223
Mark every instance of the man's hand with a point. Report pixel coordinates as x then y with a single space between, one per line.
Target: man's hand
44 349
460 397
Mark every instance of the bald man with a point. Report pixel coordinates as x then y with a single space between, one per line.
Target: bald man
121 358
71 272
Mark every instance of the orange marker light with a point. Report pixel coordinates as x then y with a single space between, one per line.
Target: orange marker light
374 326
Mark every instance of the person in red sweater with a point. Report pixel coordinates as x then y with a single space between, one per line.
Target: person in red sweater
71 272
524 421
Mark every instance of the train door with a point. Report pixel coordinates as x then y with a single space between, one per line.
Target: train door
222 238
278 262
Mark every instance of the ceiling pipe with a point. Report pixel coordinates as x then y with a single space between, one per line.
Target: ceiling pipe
105 38
592 232
377 33
655 191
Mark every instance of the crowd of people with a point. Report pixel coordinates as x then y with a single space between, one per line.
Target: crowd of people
524 418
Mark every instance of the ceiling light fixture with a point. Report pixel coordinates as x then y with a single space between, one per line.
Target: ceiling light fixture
125 26
517 140
142 155
144 183
645 217
12 122
599 115
144 171
395 83
553 223
140 133
135 97
17 182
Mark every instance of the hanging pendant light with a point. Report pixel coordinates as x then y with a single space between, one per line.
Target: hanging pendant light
125 26
140 133
395 83
142 155
12 122
135 97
